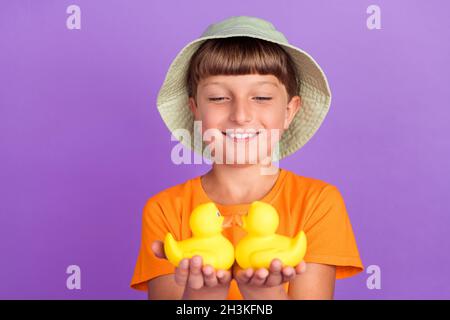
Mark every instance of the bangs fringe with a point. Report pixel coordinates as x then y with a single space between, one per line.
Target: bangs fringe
240 56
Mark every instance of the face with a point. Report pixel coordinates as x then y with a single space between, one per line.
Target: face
246 114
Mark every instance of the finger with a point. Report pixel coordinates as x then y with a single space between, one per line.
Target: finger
195 278
288 273
223 276
209 276
300 268
244 276
275 277
182 272
158 249
260 276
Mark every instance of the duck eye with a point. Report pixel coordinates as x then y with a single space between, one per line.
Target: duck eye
218 213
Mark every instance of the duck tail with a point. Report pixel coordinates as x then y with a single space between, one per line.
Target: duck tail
172 250
299 244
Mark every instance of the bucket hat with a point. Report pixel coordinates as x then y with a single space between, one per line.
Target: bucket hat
173 99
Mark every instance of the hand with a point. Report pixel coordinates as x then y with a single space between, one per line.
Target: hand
251 281
201 281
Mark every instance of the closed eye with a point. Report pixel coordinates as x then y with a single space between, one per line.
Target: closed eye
257 98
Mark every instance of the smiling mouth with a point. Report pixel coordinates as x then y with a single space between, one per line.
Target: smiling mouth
242 136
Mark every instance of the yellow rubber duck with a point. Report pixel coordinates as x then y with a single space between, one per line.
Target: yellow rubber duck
207 240
261 245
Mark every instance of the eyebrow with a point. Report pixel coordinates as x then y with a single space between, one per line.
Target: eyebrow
268 82
257 82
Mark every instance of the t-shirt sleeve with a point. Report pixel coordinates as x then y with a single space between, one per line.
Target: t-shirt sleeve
330 235
155 226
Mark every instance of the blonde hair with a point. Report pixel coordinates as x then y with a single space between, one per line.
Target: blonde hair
240 56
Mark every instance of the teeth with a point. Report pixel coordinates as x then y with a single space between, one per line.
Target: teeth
241 135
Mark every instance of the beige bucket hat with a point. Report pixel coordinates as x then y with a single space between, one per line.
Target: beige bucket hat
172 101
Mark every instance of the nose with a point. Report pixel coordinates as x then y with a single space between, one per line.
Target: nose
241 111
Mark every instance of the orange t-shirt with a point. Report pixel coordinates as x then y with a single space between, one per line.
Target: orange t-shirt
303 203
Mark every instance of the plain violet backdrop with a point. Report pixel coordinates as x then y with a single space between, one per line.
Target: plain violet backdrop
83 147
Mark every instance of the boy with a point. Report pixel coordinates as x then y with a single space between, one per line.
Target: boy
242 79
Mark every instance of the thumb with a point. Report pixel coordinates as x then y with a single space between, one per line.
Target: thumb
158 249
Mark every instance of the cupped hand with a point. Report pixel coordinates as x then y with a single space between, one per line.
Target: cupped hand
262 277
191 273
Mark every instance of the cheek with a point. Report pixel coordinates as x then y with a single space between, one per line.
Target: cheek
212 119
210 123
272 120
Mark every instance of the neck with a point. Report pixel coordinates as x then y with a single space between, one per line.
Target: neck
231 184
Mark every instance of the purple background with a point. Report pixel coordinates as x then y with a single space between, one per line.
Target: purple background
83 147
